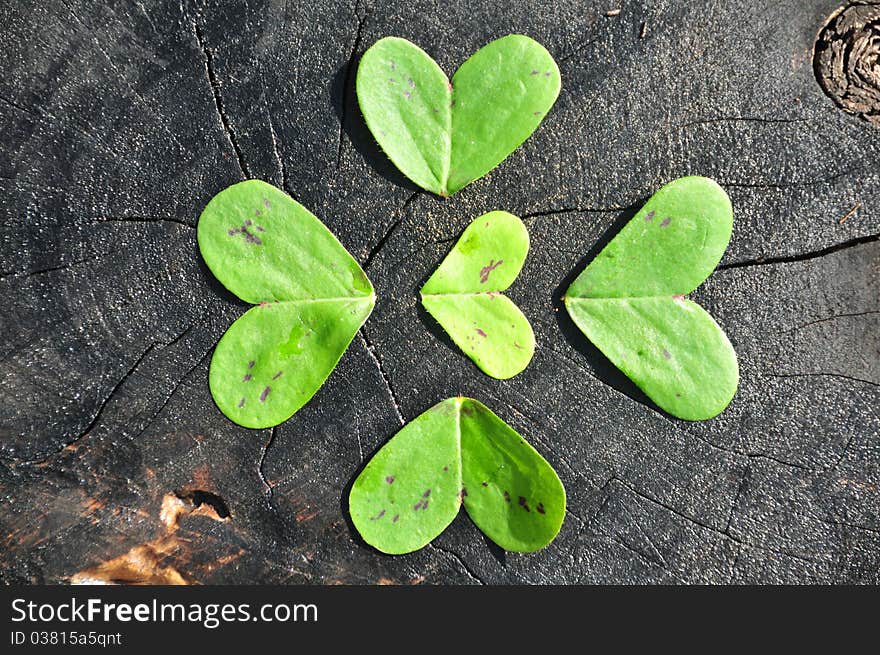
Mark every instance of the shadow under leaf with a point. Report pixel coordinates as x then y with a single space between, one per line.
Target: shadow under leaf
343 97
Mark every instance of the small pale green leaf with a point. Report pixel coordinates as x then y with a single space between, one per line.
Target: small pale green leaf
629 301
444 135
464 295
457 451
313 297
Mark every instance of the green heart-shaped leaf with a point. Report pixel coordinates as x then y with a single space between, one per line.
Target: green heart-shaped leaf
464 295
444 135
629 300
313 297
458 452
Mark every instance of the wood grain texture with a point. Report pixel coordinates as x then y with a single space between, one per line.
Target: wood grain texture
122 119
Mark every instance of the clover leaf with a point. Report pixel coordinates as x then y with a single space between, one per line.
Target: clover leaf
457 453
464 295
629 301
312 298
444 135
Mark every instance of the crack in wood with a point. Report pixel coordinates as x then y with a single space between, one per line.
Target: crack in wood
131 371
8 275
381 243
279 160
705 526
268 488
746 453
462 564
214 84
828 319
830 375
391 229
378 363
97 417
20 108
740 488
803 257
577 49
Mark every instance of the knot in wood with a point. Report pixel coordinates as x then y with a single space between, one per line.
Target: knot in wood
846 59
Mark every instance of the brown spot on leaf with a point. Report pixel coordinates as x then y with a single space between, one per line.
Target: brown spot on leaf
524 504
389 479
486 271
540 508
665 222
265 394
378 516
649 216
248 236
481 333
506 496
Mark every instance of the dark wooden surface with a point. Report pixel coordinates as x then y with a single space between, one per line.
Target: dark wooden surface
120 120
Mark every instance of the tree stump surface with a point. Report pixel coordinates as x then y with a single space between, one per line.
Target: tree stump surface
122 119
